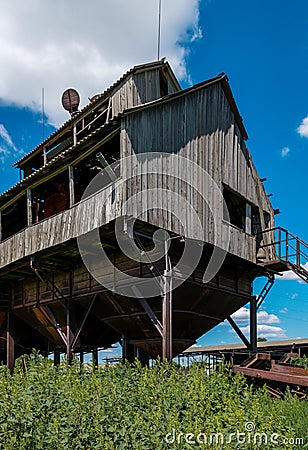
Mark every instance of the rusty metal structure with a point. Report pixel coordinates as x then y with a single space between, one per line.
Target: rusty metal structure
138 132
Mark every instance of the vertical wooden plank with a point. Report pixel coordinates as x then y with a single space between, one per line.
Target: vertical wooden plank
44 156
71 185
248 218
29 207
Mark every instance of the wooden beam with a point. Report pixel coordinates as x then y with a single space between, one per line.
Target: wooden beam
248 227
29 207
71 185
0 226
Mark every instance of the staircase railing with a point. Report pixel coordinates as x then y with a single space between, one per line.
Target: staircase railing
286 248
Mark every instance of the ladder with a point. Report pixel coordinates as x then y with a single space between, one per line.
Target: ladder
288 252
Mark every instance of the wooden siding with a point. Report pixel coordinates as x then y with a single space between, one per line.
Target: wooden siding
141 87
82 218
201 127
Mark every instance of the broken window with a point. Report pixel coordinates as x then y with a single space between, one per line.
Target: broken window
88 168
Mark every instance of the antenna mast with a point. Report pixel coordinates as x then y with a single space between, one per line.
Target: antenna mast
159 29
43 113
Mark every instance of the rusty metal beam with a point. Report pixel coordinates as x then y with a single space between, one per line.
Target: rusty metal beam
167 319
253 324
10 342
239 332
55 323
80 328
44 278
297 380
56 357
151 315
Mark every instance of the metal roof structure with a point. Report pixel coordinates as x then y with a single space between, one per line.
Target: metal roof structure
285 344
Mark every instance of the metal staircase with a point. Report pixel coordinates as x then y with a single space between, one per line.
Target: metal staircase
284 251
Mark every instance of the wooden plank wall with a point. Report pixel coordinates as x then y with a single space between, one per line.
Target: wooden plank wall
138 89
199 126
82 218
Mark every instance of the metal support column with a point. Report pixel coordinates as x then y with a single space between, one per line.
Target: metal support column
167 309
69 336
167 321
95 357
128 351
253 324
56 357
10 341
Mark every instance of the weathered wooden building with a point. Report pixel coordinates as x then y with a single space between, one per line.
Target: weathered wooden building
144 128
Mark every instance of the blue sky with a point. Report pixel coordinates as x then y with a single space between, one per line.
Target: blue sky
262 45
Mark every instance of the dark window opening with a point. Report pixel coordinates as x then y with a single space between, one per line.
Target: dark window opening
163 82
50 198
88 168
14 218
236 205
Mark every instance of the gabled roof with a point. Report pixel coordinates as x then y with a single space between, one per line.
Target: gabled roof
221 78
95 102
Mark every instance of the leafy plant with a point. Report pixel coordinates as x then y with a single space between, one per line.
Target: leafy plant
130 406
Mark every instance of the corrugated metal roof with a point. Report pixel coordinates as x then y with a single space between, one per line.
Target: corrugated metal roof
233 347
92 104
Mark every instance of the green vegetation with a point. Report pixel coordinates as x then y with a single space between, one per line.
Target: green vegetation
133 407
300 361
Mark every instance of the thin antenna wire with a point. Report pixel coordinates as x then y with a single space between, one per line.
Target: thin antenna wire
43 114
159 30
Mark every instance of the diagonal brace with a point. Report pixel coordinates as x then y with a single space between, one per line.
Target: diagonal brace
151 315
239 332
80 328
51 316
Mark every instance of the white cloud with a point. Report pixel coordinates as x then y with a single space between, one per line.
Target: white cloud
284 310
242 317
303 128
285 151
86 46
6 137
294 296
6 144
290 275
266 331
